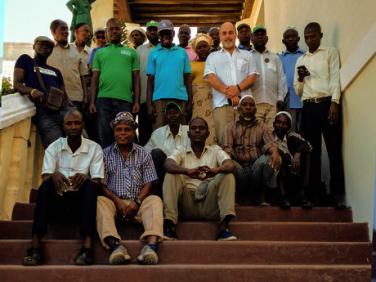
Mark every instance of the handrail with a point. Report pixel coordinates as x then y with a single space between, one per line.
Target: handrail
15 107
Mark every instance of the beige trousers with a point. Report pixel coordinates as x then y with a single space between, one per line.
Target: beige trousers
266 113
222 117
150 214
219 202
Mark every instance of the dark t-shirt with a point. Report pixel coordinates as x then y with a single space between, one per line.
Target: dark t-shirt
51 76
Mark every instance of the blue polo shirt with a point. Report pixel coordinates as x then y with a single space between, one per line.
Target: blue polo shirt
288 62
168 67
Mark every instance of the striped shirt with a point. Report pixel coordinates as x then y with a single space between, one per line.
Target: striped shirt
246 143
126 177
231 70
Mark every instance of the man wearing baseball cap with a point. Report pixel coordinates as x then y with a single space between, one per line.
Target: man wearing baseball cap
145 126
129 173
48 122
168 71
244 36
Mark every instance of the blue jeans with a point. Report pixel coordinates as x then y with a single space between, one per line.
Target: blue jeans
107 109
49 126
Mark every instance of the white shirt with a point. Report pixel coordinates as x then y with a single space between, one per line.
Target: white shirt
162 138
213 156
88 159
323 66
271 85
143 52
231 69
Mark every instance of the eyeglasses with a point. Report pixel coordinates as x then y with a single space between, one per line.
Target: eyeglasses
100 37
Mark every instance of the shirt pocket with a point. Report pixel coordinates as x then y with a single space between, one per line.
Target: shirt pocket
271 66
242 65
137 175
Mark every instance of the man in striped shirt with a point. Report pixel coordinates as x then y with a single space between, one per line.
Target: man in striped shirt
129 173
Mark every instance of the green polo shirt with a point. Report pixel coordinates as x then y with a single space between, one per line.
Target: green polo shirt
115 64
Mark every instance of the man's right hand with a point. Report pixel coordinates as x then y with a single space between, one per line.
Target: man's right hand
121 208
92 108
37 95
59 181
194 173
302 73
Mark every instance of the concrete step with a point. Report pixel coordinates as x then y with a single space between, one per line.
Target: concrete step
244 213
62 252
188 273
265 231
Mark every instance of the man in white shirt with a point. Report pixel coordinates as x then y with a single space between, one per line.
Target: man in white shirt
72 170
230 72
270 88
316 81
165 140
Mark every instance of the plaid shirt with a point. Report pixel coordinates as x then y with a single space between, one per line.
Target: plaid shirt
126 177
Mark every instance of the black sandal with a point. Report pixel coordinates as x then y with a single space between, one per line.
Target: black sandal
33 257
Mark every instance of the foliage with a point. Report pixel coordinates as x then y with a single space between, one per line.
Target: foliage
6 86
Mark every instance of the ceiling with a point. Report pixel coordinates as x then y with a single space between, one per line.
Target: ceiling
191 12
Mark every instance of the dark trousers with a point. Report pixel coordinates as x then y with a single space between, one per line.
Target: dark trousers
159 158
107 109
49 126
315 122
145 126
72 207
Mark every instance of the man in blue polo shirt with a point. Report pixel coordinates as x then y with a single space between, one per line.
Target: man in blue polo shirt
168 71
289 57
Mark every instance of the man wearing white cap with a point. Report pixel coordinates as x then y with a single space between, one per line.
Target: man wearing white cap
294 151
251 144
137 36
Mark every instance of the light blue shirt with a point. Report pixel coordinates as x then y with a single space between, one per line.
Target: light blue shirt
168 67
288 62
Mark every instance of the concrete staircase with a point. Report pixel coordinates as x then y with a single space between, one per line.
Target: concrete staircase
274 245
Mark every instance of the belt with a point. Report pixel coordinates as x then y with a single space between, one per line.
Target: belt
318 100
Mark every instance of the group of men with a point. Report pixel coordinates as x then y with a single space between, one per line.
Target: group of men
261 103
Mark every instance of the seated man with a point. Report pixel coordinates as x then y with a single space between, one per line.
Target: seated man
199 181
128 178
251 144
165 140
72 168
294 151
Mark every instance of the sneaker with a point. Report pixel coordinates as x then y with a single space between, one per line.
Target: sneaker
226 235
84 257
119 256
169 234
147 256
33 257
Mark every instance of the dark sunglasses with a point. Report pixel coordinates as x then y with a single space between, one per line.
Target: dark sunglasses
100 37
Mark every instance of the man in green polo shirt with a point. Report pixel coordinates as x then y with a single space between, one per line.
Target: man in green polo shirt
115 83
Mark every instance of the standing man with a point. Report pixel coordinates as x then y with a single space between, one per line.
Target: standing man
317 82
67 59
289 57
145 127
72 171
244 36
168 71
230 72
116 75
25 81
127 194
199 183
100 41
271 87
137 36
184 35
214 34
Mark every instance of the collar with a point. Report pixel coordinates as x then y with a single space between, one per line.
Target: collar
64 47
190 150
86 48
265 52
243 47
223 50
150 45
321 48
168 131
255 122
298 51
277 138
159 47
114 45
84 148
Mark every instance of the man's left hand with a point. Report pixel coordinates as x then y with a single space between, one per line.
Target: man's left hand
210 172
232 91
131 210
78 179
333 113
